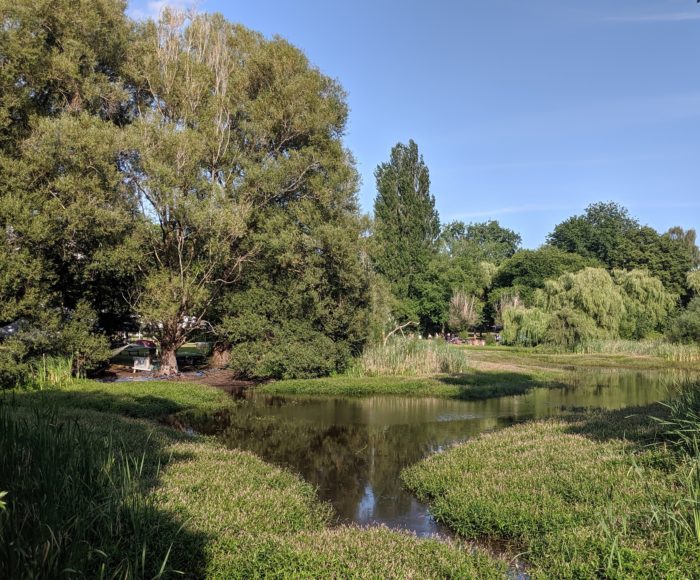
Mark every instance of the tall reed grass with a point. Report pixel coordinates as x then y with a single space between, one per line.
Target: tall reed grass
681 428
52 371
683 353
73 503
410 357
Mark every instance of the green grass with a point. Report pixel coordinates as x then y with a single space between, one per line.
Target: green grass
471 385
524 358
143 399
214 512
581 497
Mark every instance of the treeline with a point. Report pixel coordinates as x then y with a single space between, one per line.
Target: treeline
187 177
601 275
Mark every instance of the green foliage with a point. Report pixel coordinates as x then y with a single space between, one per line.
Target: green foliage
277 186
608 233
647 303
603 232
73 502
487 241
60 56
293 351
592 292
686 326
587 496
568 328
406 227
524 326
592 304
528 270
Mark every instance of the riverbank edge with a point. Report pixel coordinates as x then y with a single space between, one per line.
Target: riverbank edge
594 494
495 372
238 514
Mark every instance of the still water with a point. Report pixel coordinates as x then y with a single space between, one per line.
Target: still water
353 449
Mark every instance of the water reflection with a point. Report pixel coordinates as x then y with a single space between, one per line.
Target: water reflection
353 450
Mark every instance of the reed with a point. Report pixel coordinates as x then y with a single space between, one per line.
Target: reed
680 353
52 371
73 502
405 356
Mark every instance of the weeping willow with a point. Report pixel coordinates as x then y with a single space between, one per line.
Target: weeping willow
524 326
647 303
591 304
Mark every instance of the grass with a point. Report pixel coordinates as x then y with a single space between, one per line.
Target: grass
529 358
471 385
211 511
409 357
584 496
676 353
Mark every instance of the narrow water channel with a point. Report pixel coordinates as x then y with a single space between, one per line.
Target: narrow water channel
353 449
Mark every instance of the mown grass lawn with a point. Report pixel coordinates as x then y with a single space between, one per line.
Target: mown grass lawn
581 497
191 504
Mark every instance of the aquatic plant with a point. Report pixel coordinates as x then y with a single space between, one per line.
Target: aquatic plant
408 356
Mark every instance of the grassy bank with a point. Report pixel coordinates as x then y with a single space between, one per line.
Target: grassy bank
165 502
601 355
470 385
581 497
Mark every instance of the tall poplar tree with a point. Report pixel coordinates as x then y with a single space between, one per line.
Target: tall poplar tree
407 224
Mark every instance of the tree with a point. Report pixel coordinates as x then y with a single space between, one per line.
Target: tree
528 270
487 241
406 222
61 56
602 232
591 291
464 311
235 130
688 238
68 218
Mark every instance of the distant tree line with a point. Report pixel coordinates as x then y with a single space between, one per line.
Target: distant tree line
599 275
187 177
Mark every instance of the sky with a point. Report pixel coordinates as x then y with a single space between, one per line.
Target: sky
525 112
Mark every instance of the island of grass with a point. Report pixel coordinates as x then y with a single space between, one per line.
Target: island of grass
94 484
471 385
593 495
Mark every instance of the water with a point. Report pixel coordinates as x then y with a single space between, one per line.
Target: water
353 450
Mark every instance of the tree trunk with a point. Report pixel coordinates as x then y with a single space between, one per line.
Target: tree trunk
221 355
168 361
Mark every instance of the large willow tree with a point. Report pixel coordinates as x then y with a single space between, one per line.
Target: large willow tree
231 126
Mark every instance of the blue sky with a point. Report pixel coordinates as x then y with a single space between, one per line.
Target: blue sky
525 112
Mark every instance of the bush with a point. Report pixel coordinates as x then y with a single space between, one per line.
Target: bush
297 352
686 326
14 370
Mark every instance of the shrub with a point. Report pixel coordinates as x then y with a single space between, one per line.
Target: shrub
686 326
296 352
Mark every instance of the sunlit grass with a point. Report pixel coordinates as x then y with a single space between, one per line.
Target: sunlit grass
214 512
575 495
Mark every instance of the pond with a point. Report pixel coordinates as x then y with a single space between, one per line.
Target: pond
353 449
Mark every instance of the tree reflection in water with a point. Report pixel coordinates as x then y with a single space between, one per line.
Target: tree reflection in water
353 450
